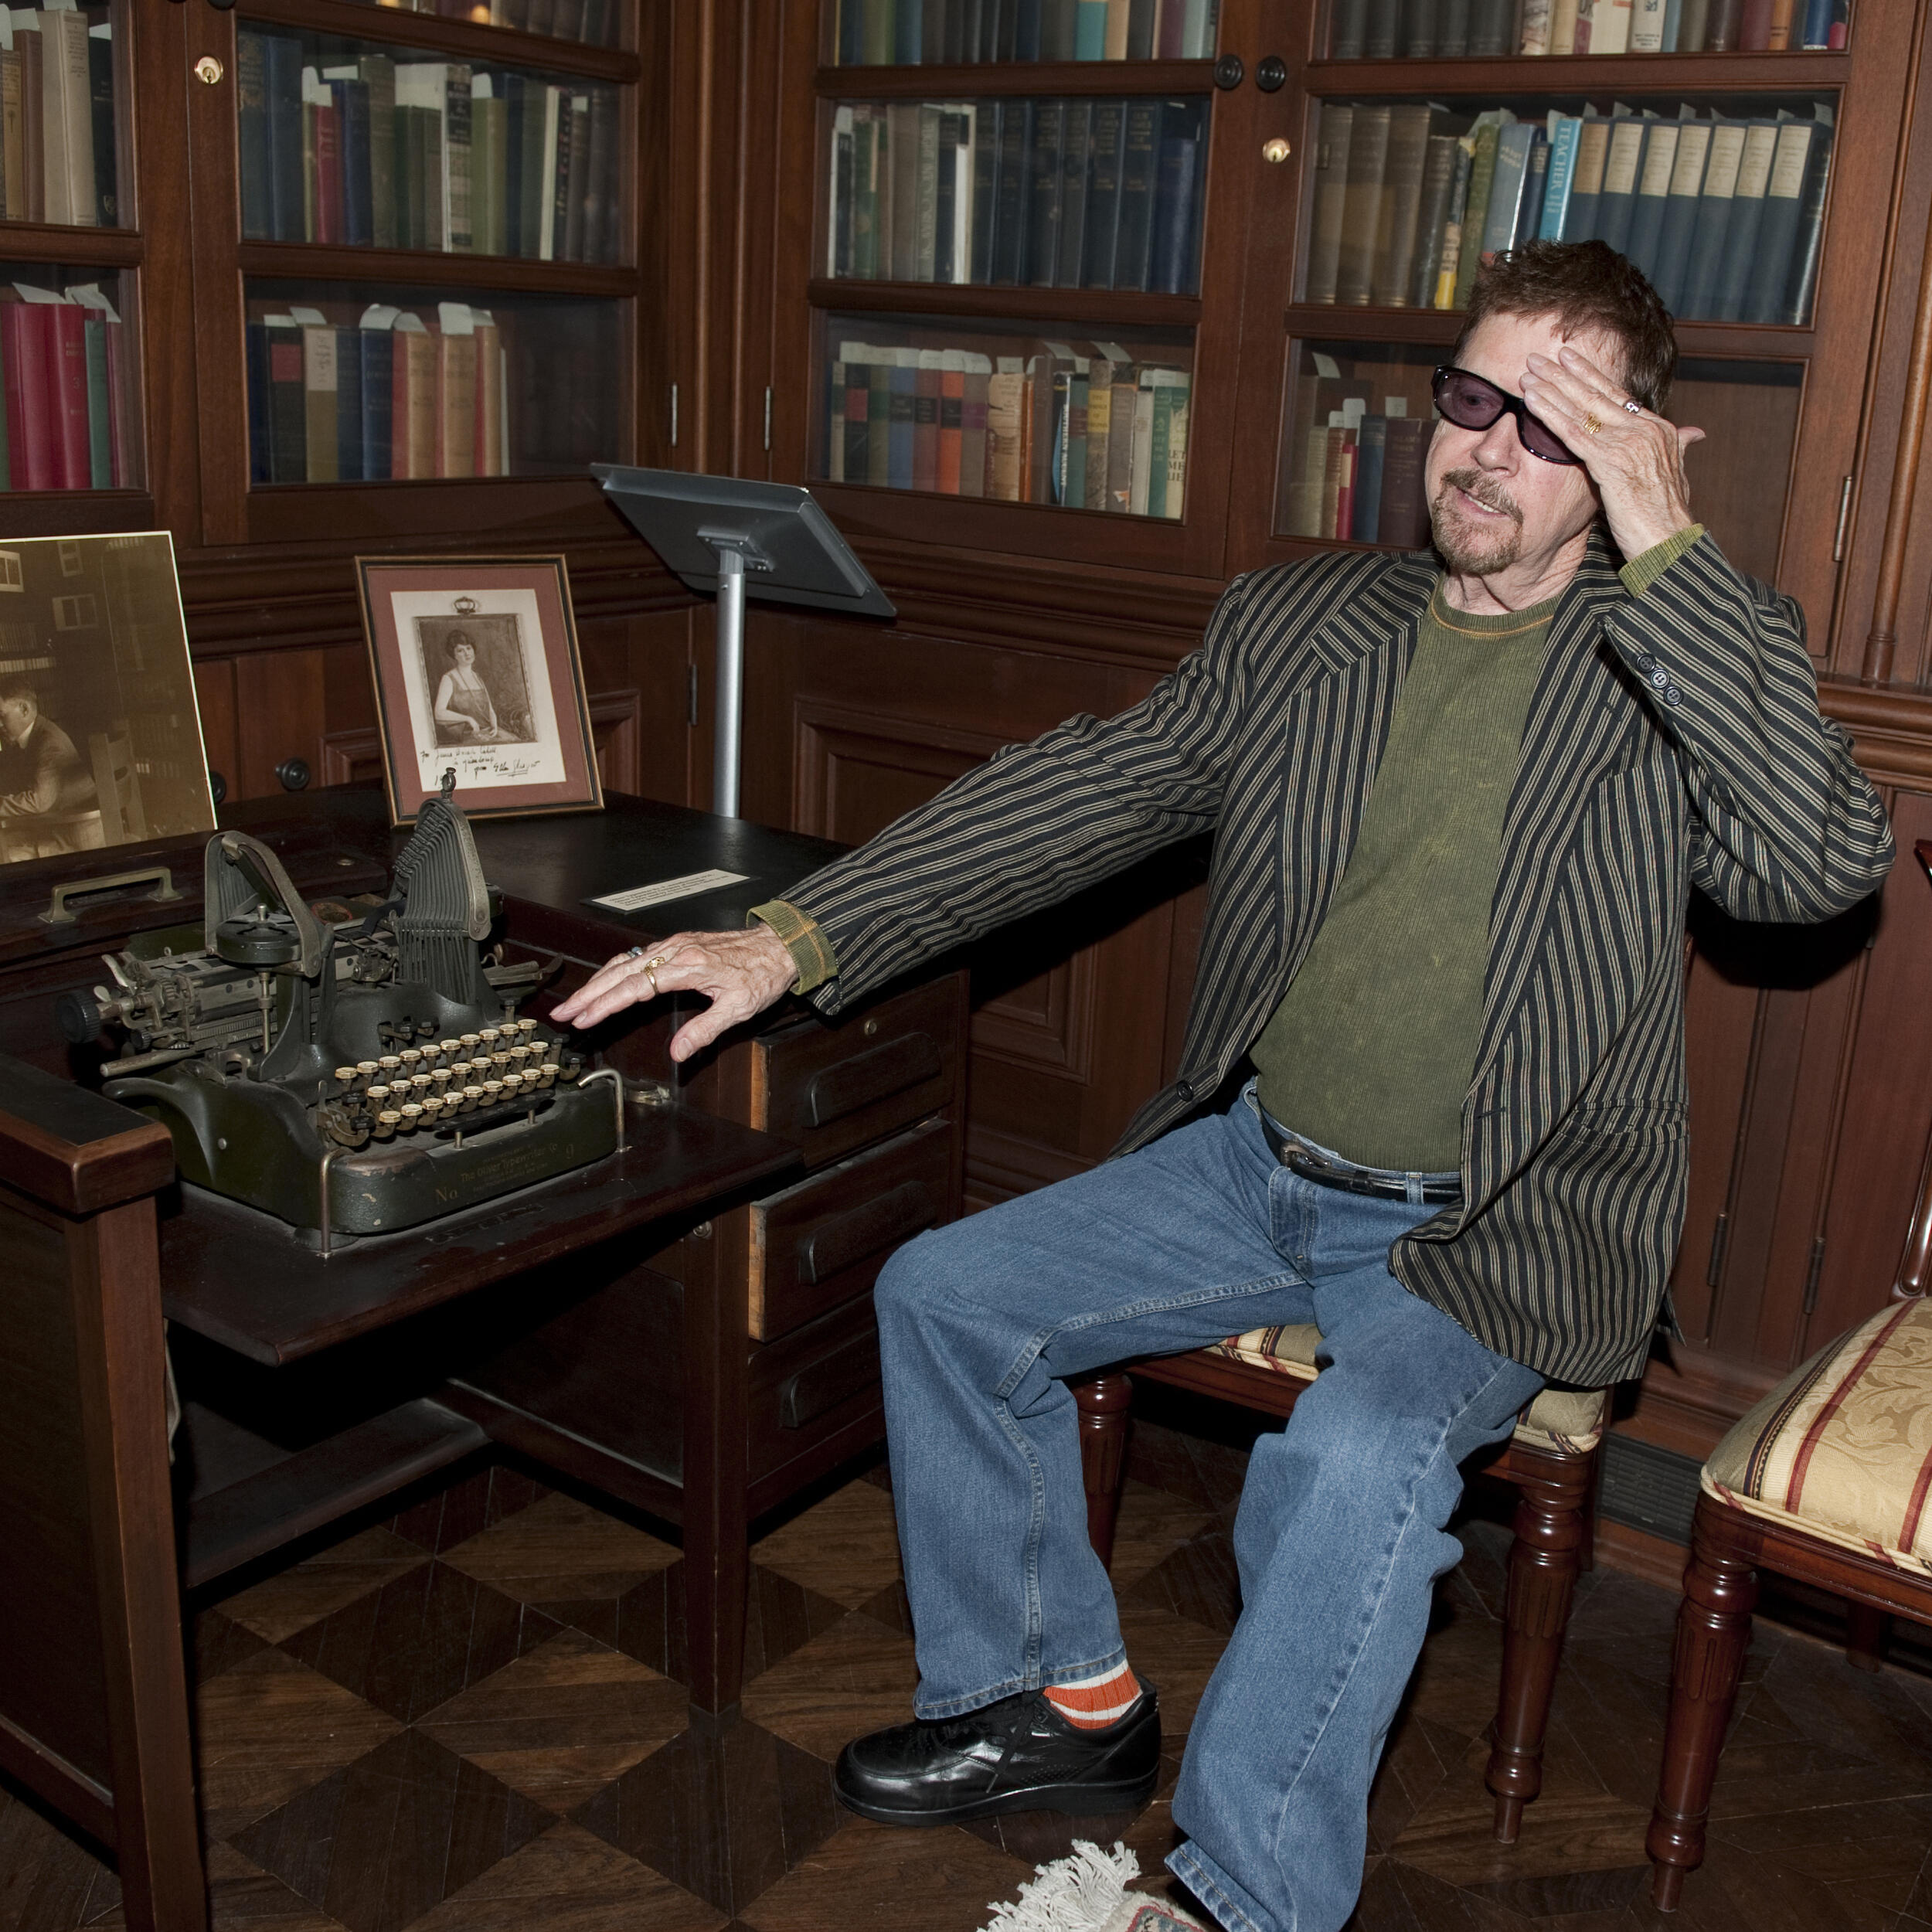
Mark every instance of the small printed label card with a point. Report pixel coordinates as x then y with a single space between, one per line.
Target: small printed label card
640 897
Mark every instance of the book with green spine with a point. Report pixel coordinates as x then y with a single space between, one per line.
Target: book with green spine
1482 175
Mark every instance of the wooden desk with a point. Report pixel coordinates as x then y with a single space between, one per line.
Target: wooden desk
662 1325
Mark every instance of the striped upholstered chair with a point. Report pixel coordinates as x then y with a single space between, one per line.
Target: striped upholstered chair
1828 1479
1551 1460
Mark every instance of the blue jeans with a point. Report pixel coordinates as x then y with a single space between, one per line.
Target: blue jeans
1339 1536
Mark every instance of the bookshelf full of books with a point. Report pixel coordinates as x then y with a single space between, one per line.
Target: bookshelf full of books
1005 303
901 33
1025 192
1721 145
1720 203
362 144
1351 468
1006 416
1719 198
1456 29
436 253
70 379
58 162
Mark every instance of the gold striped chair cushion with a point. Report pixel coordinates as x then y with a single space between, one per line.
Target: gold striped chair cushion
1569 1421
1842 1448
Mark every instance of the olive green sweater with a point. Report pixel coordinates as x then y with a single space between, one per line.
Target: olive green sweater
1370 1051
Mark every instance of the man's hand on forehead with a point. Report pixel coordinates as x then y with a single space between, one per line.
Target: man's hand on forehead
1634 457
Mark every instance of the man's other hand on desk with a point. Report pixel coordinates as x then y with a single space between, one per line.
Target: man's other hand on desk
741 973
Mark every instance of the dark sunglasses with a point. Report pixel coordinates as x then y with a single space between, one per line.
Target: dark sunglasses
1472 402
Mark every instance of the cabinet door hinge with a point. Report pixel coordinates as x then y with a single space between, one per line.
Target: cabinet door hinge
1844 517
1718 1235
691 695
674 416
1810 1280
767 416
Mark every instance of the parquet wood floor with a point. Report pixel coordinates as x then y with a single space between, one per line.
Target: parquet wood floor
468 1718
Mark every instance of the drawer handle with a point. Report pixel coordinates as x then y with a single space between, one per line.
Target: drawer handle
866 1078
828 1382
864 1231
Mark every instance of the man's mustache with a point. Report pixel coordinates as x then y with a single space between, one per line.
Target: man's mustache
1490 496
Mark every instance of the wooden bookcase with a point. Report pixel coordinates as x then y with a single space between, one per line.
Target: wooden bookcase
266 570
1810 1059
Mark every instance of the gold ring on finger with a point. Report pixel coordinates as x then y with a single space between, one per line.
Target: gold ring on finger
1592 425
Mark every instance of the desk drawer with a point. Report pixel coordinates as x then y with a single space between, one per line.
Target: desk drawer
819 1380
820 1243
834 1086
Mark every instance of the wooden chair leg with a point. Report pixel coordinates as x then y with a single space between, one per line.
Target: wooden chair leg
1105 1402
1544 1560
1713 1632
1865 1630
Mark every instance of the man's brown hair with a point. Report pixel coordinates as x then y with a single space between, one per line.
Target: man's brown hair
1582 285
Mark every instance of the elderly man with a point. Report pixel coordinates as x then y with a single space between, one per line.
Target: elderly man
1459 803
53 807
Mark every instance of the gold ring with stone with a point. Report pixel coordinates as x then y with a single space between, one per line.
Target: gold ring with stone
1591 423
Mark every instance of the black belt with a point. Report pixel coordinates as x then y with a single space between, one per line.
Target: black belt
1297 1157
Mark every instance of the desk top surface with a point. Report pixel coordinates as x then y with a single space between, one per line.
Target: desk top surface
339 839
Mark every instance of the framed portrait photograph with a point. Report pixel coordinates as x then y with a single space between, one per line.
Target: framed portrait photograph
101 738
477 672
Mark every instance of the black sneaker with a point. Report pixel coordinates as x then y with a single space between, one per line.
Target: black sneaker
1018 1755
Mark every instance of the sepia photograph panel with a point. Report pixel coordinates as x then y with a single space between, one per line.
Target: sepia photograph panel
100 739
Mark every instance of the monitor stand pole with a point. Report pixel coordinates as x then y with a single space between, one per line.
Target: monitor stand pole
737 553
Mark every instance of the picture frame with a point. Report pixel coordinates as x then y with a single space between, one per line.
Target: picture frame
477 669
100 737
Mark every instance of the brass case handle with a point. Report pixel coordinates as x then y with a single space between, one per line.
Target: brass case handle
158 876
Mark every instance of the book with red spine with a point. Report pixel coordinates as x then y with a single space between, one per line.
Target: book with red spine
952 396
66 327
328 168
30 437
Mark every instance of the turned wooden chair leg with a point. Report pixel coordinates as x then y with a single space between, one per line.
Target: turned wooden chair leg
1865 1630
1544 1561
1105 1402
1713 1632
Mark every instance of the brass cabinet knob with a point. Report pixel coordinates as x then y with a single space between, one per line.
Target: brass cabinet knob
1276 150
208 69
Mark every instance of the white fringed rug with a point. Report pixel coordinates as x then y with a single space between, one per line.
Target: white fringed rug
1087 1892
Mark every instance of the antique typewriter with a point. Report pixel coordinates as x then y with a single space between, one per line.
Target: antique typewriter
352 1076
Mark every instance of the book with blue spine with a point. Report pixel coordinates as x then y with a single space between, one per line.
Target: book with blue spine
1770 268
1565 131
375 352
1680 213
1536 181
1175 268
1653 192
256 336
1713 216
1747 219
1810 225
282 74
1622 165
903 390
1371 438
1586 189
1505 188
1089 30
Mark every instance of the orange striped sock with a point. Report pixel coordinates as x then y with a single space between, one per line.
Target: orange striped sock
1099 1701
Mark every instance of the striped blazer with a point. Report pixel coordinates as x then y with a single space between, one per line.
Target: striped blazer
1673 739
